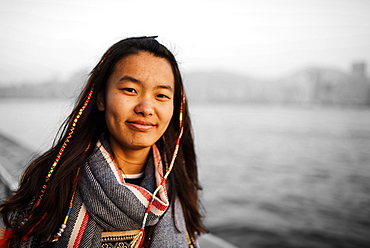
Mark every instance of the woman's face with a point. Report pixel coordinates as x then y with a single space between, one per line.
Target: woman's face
138 101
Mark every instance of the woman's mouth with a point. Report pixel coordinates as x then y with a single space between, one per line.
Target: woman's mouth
140 125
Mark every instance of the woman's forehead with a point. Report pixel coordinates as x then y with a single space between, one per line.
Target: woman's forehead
142 67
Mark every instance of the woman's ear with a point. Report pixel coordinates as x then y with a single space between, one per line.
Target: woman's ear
101 102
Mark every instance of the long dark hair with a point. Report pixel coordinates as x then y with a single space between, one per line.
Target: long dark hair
183 180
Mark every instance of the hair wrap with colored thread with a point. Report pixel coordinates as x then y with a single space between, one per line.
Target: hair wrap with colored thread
54 165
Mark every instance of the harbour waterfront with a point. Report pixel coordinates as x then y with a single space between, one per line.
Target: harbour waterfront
282 176
286 176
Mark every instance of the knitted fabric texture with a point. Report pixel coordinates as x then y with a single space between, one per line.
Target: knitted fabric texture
105 202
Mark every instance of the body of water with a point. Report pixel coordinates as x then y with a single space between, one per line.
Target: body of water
272 176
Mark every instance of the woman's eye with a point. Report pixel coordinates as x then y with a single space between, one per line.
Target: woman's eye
163 96
130 90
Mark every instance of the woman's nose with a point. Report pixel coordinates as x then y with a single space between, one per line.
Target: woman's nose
144 107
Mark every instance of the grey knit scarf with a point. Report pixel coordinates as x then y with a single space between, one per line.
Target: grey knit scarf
105 202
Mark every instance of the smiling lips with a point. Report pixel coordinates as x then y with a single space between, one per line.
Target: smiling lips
141 125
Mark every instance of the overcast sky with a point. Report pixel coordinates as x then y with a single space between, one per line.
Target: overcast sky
263 38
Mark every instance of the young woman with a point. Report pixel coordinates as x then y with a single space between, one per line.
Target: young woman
124 171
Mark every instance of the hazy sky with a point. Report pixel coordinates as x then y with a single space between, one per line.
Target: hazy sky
264 38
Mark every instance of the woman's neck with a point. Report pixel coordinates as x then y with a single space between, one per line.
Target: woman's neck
130 161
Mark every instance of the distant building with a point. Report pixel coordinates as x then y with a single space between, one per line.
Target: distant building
308 86
333 87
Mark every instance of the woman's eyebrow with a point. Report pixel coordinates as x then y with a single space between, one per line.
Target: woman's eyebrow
137 81
129 78
165 86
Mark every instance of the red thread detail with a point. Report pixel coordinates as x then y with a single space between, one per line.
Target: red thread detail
156 203
81 231
142 237
31 230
